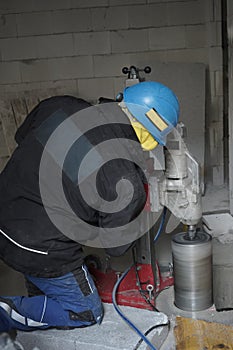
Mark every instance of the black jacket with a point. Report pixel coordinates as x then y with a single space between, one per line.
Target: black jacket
30 241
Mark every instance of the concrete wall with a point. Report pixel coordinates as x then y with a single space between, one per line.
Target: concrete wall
80 47
230 75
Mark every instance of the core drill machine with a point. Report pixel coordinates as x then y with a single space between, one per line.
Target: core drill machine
177 188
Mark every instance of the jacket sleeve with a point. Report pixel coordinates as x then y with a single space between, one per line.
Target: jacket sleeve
123 185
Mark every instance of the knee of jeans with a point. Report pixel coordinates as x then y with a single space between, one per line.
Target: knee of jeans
87 317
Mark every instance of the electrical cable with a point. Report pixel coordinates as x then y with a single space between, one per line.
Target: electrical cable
161 224
118 310
150 330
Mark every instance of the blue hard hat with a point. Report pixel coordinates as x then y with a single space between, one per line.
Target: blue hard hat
155 106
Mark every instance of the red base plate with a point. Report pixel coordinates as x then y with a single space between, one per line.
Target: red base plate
128 292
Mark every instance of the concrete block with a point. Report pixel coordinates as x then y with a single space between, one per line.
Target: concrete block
220 228
14 6
209 11
8 26
167 38
195 36
71 21
71 67
214 33
26 6
93 89
215 110
60 86
155 1
7 90
142 59
216 146
217 6
10 72
219 83
88 3
129 41
35 70
56 69
110 65
36 23
145 16
93 43
199 55
210 78
230 8
218 175
51 5
216 198
126 2
231 66
18 48
188 12
54 45
215 58
223 287
112 334
230 30
109 18
13 89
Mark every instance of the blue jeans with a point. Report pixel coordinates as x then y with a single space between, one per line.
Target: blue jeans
64 302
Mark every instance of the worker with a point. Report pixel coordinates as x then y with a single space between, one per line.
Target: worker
39 237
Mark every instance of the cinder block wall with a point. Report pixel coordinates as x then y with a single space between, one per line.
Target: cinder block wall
80 47
230 75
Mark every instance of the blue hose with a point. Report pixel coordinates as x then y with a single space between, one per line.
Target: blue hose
161 224
118 310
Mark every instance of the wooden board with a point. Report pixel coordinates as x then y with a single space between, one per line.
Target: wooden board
19 109
194 334
8 125
13 111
